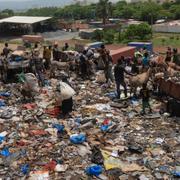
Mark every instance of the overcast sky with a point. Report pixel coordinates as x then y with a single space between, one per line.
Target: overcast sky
27 4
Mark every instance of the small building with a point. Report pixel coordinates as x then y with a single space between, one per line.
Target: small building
168 27
17 25
74 26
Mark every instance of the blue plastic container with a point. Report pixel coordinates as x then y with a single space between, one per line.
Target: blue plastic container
139 45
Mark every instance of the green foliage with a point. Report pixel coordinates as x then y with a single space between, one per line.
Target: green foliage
109 36
140 32
46 11
104 35
104 10
6 13
175 10
98 35
148 11
163 39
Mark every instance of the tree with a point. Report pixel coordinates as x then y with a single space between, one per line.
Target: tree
6 13
98 35
127 12
131 32
9 12
119 6
144 31
109 36
175 9
103 10
141 32
149 11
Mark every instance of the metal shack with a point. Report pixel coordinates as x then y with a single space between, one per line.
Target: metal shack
140 45
124 51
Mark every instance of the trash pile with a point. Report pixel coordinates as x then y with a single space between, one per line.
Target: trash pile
102 139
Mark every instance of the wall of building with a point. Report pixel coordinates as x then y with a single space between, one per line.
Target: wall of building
166 28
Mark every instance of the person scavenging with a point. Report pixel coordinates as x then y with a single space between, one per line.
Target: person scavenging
119 71
145 95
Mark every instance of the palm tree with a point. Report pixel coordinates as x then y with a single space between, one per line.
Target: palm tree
104 10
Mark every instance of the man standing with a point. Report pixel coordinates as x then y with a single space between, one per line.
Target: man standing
6 50
55 52
119 71
145 99
47 57
145 61
83 65
39 69
108 67
168 55
176 57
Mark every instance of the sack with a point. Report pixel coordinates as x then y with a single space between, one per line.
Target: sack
66 91
100 77
32 82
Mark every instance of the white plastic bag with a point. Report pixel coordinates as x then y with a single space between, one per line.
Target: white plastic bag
66 91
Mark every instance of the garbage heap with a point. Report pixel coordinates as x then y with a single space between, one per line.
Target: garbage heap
102 139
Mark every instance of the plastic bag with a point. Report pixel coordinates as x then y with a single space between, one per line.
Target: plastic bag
24 169
94 170
5 152
77 138
106 125
2 138
5 94
59 127
2 103
65 90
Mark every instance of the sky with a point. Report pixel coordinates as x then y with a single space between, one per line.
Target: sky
17 5
27 4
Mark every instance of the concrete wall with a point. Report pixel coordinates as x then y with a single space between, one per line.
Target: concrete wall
166 28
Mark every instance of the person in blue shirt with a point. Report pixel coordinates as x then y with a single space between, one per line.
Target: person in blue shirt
145 61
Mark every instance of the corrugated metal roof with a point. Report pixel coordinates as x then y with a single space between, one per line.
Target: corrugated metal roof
24 19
